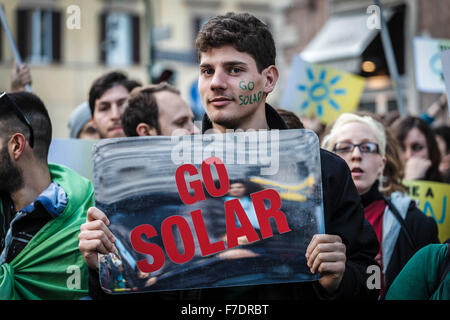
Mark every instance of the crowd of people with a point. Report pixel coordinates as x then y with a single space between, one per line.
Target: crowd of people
51 231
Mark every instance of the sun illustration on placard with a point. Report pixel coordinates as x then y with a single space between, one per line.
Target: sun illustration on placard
321 92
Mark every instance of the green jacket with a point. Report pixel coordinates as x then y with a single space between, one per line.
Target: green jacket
420 279
51 266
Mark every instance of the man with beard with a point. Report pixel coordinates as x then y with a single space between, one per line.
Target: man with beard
41 207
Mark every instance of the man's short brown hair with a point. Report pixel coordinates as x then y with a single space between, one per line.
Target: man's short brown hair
291 119
143 108
244 32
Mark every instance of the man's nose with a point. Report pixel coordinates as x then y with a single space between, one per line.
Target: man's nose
218 80
115 111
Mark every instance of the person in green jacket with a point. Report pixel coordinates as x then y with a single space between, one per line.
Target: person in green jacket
425 276
41 208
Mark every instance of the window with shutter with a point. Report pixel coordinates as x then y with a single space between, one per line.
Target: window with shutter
39 35
119 38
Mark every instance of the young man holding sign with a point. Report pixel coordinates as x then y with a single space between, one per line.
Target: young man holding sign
237 72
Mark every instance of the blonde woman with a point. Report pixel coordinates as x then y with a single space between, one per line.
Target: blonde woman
401 228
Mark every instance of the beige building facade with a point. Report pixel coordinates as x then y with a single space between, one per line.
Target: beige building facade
154 39
66 57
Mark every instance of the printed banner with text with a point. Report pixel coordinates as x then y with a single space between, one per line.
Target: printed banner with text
208 210
433 199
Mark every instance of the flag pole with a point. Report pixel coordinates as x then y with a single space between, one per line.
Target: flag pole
12 43
389 52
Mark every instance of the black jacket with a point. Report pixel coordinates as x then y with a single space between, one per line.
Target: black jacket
423 230
23 230
418 231
344 216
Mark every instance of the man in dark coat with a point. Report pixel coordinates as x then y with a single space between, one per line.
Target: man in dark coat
237 72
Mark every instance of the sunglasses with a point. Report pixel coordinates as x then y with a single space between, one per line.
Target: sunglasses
4 98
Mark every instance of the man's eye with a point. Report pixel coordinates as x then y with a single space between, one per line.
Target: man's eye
235 70
208 71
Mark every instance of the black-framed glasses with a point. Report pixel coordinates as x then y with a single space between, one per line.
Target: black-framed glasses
347 147
4 98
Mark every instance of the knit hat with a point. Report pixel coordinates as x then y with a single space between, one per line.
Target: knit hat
78 118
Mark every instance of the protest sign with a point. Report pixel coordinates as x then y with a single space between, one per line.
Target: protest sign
318 90
75 154
428 64
445 58
208 210
433 200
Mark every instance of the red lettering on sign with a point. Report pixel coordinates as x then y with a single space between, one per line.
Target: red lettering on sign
147 248
273 211
206 247
196 185
186 238
208 180
233 209
233 232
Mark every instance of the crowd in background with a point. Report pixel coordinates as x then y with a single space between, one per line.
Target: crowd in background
380 150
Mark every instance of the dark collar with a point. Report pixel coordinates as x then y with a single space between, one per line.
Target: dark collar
274 120
372 195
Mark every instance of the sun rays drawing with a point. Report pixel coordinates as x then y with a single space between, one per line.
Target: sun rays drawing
321 91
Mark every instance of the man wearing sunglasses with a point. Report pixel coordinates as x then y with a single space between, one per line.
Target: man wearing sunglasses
41 208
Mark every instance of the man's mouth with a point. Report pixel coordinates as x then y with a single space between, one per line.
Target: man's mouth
115 128
220 101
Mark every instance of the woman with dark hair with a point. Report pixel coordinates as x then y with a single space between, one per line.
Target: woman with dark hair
421 154
442 135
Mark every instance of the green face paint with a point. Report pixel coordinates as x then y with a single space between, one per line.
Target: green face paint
249 99
249 86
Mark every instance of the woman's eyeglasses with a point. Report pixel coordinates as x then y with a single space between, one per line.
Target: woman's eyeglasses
347 147
5 99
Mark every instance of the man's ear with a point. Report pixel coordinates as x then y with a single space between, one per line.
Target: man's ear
94 124
271 77
143 129
16 145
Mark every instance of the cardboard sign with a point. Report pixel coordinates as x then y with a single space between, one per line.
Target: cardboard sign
208 210
319 90
428 64
433 199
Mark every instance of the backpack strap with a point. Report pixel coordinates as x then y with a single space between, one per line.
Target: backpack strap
403 225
